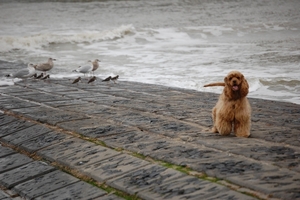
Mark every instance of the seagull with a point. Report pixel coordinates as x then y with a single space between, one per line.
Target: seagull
84 69
92 79
95 64
77 80
40 76
45 66
115 78
24 73
44 78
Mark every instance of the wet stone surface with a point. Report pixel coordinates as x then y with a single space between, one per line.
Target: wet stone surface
47 115
104 130
114 167
23 135
129 139
43 97
13 103
10 162
87 156
279 155
14 126
282 184
66 147
4 119
44 184
183 188
163 123
225 168
4 151
58 104
79 190
24 173
42 141
144 178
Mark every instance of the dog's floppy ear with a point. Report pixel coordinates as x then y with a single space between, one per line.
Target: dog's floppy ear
227 89
244 87
225 80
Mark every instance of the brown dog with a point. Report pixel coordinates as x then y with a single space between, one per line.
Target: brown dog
233 108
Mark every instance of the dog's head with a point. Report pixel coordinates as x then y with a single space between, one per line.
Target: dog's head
236 86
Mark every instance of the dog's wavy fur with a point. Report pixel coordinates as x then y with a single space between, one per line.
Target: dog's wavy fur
232 109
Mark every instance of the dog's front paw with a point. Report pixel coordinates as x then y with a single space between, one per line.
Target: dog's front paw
214 130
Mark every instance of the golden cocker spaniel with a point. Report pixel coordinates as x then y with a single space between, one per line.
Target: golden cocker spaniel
233 108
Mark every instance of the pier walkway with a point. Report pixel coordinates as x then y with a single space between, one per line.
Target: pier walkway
139 141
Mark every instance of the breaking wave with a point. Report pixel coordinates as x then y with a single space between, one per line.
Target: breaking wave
8 43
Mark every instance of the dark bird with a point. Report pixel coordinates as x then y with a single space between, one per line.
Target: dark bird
115 78
34 75
44 78
40 76
92 79
77 80
107 79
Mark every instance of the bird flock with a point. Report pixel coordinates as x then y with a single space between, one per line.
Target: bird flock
30 71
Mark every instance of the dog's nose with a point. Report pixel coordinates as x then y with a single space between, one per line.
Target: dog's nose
234 81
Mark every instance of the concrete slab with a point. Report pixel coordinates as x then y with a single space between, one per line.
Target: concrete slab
284 156
24 173
44 97
63 103
14 103
114 167
77 125
10 162
5 119
51 116
172 129
4 196
105 130
67 147
231 166
44 184
23 135
109 197
186 187
137 118
283 184
130 139
44 140
79 191
84 157
13 127
144 178
5 151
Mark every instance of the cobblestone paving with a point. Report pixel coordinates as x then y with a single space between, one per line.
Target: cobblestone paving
157 122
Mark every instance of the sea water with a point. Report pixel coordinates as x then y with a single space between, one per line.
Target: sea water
170 42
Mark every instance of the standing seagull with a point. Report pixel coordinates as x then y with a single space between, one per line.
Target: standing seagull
45 66
95 64
24 73
84 69
92 79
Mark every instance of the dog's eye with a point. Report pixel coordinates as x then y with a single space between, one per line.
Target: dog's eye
230 78
238 78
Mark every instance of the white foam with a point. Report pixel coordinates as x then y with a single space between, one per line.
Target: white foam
31 42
